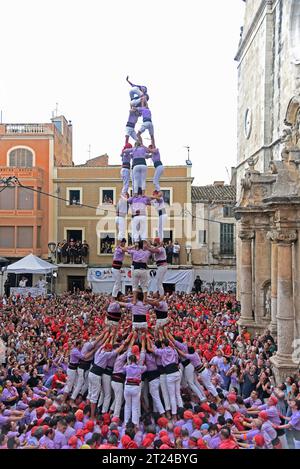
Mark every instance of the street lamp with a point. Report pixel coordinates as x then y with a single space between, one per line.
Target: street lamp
52 248
3 264
188 249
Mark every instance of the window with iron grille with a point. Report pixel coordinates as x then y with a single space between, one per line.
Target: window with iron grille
227 238
21 158
228 211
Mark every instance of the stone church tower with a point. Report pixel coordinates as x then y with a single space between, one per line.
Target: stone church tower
268 175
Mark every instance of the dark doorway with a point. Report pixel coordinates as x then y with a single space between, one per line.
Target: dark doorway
76 282
169 287
74 234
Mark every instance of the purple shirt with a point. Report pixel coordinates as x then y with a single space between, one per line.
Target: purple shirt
8 393
119 363
114 307
252 402
150 362
75 356
139 255
139 152
139 309
214 442
168 355
134 371
126 155
145 112
194 359
133 118
155 156
3 420
160 255
47 442
59 440
138 204
101 357
295 420
272 412
119 254
70 431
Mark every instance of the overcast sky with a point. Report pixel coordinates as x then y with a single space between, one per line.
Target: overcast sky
79 53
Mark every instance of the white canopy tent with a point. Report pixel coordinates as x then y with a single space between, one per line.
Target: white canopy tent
31 265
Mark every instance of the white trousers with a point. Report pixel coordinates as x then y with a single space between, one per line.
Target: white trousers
154 392
71 380
118 389
130 132
81 383
139 228
160 275
192 381
140 278
105 395
116 273
162 220
121 227
164 391
132 410
94 388
173 385
161 323
125 175
296 443
205 380
157 174
139 175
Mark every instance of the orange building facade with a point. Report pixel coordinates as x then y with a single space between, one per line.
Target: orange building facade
30 152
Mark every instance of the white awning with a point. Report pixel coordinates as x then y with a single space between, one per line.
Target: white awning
31 265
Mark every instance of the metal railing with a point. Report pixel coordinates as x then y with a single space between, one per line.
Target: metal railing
25 128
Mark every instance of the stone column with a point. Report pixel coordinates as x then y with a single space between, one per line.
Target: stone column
262 276
246 318
282 361
274 283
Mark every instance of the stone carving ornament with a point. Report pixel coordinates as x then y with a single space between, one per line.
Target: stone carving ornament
246 235
282 236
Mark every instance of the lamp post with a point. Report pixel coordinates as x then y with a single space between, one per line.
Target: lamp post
188 249
3 264
52 249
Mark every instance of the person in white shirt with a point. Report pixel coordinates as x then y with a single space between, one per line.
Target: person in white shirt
41 283
176 251
23 282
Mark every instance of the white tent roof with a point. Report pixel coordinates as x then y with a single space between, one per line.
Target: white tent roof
31 265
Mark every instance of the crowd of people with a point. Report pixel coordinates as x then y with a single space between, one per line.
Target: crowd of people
72 252
76 374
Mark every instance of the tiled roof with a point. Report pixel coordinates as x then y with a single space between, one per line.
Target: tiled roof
214 193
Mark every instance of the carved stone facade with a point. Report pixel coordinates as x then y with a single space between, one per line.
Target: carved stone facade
268 176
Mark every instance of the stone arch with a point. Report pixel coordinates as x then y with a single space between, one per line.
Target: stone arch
292 111
295 31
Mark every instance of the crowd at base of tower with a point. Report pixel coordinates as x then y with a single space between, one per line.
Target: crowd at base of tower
80 373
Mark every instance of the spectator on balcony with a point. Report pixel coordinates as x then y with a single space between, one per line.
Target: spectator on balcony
176 252
169 251
74 201
84 251
72 250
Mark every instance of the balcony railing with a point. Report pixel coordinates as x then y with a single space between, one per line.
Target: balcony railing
25 128
223 250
